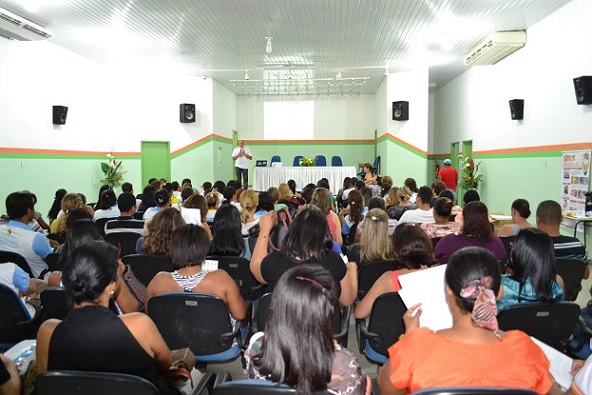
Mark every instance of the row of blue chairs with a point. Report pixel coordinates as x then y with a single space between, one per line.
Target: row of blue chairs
320 160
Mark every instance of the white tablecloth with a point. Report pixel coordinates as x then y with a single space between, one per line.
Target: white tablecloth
266 177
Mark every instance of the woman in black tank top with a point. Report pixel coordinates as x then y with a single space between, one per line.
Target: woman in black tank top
92 338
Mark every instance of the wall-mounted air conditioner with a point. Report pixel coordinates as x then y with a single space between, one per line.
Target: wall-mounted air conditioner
496 47
14 27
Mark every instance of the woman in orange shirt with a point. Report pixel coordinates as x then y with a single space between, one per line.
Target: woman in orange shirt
474 352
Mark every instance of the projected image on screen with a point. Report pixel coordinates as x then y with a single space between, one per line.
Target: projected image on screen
288 120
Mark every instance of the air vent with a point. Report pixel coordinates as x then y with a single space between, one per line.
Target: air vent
13 26
496 47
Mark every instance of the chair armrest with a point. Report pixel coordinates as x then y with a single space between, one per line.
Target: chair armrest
222 378
365 334
234 334
30 327
585 333
344 328
207 381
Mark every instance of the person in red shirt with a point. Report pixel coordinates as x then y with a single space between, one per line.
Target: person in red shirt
448 175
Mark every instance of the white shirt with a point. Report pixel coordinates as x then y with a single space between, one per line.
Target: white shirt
241 162
418 216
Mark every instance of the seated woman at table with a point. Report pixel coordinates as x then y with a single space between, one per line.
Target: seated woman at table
520 212
473 352
475 231
369 177
92 338
534 277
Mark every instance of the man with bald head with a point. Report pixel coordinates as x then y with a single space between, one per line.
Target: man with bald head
241 155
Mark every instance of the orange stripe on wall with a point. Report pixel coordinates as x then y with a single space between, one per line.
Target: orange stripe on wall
540 148
37 151
404 143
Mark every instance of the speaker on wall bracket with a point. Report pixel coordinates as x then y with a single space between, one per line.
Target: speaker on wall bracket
583 88
517 109
400 111
59 115
187 113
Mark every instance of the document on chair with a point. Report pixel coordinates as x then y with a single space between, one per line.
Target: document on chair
427 286
560 364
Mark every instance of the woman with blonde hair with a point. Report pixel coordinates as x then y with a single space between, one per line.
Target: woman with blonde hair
375 245
403 196
213 202
248 201
321 199
157 240
71 201
285 193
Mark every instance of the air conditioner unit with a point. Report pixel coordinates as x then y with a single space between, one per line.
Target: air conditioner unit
496 47
14 27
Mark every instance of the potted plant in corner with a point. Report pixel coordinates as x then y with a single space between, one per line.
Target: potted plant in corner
112 172
469 179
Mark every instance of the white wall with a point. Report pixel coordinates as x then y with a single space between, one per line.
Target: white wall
224 110
381 109
336 117
475 105
409 86
108 107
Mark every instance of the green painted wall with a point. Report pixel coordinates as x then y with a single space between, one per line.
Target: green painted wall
43 175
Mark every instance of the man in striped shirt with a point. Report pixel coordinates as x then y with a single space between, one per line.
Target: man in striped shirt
548 219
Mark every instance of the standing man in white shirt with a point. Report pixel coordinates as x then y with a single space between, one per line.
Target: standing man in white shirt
241 155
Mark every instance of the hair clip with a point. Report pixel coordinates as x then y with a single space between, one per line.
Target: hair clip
310 280
374 218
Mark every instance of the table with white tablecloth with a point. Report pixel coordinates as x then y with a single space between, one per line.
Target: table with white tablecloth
266 177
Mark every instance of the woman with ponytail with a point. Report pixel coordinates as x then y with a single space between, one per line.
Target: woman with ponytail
473 352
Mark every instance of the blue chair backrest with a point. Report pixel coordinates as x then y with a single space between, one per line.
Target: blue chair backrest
336 161
320 160
297 160
376 164
275 158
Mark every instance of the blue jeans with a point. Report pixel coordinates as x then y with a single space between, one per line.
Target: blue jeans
245 176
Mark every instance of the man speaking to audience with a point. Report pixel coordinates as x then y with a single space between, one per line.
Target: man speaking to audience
242 155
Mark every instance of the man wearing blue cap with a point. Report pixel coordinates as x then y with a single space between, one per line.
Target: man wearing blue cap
448 175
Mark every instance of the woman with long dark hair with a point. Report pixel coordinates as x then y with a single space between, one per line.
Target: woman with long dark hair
351 216
302 308
475 231
473 352
56 206
307 241
535 278
227 236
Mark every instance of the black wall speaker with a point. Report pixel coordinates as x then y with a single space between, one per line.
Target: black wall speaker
187 113
583 87
517 108
59 115
400 110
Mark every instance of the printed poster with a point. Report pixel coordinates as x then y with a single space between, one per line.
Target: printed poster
575 182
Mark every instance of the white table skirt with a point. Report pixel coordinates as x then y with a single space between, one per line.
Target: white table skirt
266 177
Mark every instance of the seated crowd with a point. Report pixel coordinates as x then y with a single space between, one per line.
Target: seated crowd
307 248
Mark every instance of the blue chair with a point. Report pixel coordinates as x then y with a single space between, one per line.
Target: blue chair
275 158
336 161
376 164
297 160
320 160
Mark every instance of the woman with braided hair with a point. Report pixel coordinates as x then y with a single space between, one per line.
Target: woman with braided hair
473 352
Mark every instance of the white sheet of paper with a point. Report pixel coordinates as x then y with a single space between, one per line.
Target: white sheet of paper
560 364
427 286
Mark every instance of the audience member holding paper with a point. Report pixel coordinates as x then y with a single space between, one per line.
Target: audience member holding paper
473 352
413 251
